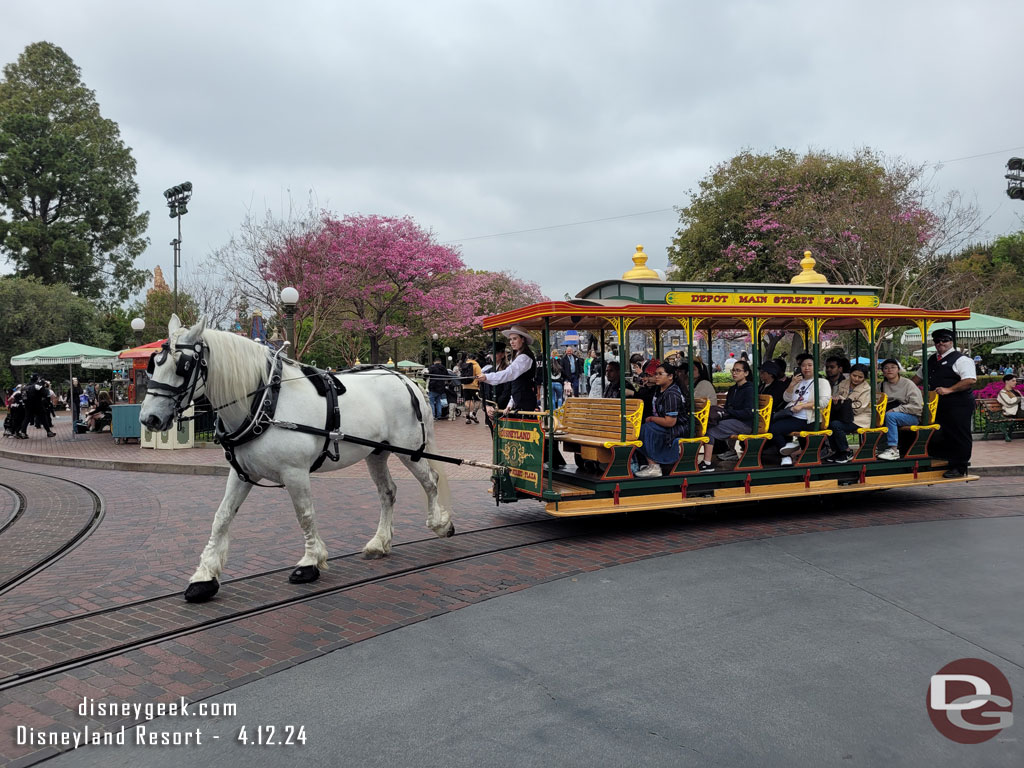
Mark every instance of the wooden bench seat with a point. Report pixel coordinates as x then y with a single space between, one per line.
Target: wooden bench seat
990 419
869 436
593 432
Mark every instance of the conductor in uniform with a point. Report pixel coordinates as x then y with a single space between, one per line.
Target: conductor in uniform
951 375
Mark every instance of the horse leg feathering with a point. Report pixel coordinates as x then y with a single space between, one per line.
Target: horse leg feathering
204 584
380 544
314 558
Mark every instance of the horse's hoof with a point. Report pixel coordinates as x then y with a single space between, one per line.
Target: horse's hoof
201 591
451 531
304 574
369 554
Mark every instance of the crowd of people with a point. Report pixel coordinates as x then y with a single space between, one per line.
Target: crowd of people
35 405
513 380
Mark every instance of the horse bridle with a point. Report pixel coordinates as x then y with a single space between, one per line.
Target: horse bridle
189 367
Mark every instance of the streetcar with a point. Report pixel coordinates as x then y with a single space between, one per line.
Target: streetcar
599 437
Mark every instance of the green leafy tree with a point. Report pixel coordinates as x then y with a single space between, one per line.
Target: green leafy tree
35 315
867 221
68 196
157 309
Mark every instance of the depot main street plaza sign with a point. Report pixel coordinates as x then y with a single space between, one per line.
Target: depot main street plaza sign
729 299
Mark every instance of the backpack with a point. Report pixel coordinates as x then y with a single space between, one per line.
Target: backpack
466 372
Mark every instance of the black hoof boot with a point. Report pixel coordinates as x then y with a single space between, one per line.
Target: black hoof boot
304 575
451 531
201 591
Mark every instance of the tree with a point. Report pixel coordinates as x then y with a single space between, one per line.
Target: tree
375 275
36 315
867 221
157 309
987 278
489 293
68 196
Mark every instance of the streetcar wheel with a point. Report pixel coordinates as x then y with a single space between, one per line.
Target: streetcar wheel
304 575
201 591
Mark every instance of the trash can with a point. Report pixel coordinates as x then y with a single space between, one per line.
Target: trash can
183 436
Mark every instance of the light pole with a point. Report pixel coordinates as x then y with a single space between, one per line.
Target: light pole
448 357
1015 178
177 201
138 325
289 298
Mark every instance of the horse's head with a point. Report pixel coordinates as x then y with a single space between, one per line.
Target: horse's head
176 375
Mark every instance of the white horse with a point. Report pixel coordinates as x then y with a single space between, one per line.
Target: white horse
376 406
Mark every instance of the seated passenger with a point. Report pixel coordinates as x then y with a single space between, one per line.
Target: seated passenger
1009 398
799 411
856 391
903 409
739 414
611 383
837 368
703 389
102 410
664 426
772 383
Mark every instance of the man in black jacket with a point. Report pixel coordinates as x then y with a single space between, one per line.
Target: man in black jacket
951 375
437 381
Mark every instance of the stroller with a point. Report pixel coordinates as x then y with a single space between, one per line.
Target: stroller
453 394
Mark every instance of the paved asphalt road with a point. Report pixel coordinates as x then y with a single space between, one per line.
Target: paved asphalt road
810 650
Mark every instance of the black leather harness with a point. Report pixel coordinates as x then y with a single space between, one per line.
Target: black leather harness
263 407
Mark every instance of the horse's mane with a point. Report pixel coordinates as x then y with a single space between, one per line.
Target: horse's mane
241 367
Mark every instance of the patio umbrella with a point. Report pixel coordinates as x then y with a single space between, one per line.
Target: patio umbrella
409 364
979 328
68 353
1013 348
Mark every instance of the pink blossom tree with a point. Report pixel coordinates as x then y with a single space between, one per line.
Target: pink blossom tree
382 277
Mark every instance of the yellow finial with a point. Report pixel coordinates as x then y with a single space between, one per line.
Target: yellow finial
640 270
390 361
357 362
808 274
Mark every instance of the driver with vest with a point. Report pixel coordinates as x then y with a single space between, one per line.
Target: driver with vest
951 376
520 371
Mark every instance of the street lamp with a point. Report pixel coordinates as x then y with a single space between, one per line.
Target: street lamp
138 325
177 201
289 298
1015 178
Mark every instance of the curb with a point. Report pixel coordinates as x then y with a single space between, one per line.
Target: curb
123 466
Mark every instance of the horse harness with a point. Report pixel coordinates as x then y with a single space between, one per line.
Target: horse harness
264 406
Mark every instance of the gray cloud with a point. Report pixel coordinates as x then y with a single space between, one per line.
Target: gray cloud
487 117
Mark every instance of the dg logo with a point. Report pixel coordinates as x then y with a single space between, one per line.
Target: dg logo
970 701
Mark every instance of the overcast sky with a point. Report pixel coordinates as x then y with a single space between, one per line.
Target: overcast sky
485 118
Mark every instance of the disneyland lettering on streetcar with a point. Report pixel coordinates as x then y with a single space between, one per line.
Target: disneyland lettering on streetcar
522 435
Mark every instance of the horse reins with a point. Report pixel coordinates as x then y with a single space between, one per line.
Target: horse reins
263 408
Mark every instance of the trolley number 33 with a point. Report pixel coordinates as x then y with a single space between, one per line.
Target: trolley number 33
272 735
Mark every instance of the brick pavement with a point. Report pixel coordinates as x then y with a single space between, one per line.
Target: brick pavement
55 513
157 523
214 660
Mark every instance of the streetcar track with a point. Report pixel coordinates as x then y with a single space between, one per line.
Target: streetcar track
745 511
20 502
547 530
94 521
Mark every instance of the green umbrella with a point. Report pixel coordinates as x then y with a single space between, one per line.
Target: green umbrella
409 364
66 353
978 329
1013 348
